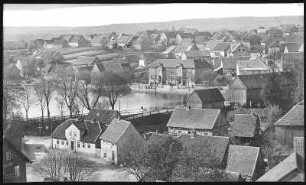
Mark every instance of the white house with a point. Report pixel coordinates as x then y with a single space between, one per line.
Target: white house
117 138
78 136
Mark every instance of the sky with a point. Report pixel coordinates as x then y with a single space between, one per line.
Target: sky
75 15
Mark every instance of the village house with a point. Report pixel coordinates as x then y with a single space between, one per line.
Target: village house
123 40
206 99
246 89
227 66
155 37
203 122
289 126
183 36
288 60
84 60
37 44
48 44
98 41
294 39
223 49
77 136
195 55
245 127
168 38
60 43
26 66
78 69
89 37
50 71
78 41
175 71
290 169
294 48
114 65
274 47
10 71
246 160
249 67
66 37
142 43
183 47
168 53
116 138
239 49
14 158
210 45
147 58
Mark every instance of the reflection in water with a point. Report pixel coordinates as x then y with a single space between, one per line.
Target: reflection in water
127 102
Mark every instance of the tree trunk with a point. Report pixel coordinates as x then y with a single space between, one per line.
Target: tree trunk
70 110
27 118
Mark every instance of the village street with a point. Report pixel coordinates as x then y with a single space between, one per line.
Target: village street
37 147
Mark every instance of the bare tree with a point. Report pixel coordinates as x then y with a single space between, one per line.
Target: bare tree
114 86
78 168
26 102
41 100
67 87
52 165
88 90
11 93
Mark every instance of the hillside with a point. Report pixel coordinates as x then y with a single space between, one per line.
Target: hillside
239 23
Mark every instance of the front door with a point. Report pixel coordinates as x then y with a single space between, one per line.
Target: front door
113 156
72 145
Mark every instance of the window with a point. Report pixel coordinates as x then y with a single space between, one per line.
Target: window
74 134
105 154
205 133
83 145
57 142
9 155
62 142
78 145
16 171
88 145
67 143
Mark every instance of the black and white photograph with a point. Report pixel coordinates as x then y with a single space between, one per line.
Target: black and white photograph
153 92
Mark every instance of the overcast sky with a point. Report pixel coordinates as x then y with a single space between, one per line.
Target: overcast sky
97 14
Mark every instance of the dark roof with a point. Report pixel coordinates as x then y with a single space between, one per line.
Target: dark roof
209 95
196 54
212 147
171 34
90 132
83 68
115 130
102 115
186 35
257 80
75 38
116 67
293 47
97 39
295 117
194 118
295 38
244 125
108 56
201 39
100 67
242 159
249 64
221 46
183 47
266 38
284 168
274 44
58 42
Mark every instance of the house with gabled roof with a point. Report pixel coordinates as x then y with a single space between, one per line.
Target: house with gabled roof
181 36
289 126
286 170
249 67
206 99
60 43
246 89
66 37
98 41
78 136
201 122
222 48
78 41
168 53
175 71
181 48
239 49
246 160
288 60
115 140
294 39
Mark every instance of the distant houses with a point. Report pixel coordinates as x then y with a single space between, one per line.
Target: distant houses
197 122
78 41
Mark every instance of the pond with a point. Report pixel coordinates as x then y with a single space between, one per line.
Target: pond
131 101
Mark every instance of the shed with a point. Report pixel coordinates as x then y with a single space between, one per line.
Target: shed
206 98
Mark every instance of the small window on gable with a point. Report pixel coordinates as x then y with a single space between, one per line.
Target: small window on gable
9 155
